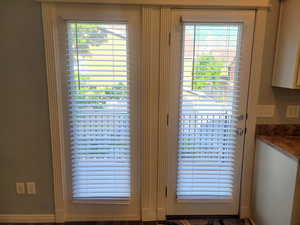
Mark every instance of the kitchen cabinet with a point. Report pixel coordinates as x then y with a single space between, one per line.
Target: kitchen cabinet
287 59
276 191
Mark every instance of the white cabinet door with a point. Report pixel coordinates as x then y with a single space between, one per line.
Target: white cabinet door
275 179
287 59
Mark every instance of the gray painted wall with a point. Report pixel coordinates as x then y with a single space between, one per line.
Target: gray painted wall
25 147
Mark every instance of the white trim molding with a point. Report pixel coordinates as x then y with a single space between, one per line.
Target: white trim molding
150 96
27 218
249 144
55 110
249 4
164 58
94 217
251 221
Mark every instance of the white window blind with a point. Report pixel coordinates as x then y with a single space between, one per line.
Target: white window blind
99 110
209 109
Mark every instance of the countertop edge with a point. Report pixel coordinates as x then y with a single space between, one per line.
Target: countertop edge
285 152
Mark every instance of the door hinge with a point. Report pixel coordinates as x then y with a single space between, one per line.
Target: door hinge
166 191
167 119
242 117
181 20
169 38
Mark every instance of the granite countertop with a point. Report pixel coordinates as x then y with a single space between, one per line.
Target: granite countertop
289 144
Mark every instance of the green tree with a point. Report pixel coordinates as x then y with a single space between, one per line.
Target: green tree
105 95
87 35
207 71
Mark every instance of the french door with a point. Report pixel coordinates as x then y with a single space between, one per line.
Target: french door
208 89
100 55
148 109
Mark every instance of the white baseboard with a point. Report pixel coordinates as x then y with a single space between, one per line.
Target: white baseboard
27 218
93 217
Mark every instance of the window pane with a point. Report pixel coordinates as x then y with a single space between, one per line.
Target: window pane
99 110
208 111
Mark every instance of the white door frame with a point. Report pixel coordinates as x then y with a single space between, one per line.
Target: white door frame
54 90
86 210
249 140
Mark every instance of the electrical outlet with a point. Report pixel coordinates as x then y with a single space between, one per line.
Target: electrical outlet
265 110
292 111
31 190
20 188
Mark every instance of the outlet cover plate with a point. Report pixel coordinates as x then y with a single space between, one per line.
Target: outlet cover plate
31 190
292 111
20 188
265 110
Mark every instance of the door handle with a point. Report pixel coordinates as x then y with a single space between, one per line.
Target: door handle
239 131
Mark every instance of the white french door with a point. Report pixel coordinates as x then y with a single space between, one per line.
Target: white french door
101 108
136 108
208 89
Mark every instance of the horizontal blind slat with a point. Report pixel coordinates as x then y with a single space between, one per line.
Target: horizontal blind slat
209 110
98 110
